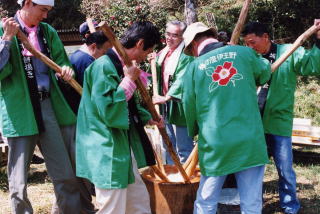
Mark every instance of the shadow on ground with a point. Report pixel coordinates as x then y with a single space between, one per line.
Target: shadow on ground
306 158
36 176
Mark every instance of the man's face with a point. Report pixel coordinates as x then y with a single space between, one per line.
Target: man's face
261 44
173 36
137 53
35 13
141 54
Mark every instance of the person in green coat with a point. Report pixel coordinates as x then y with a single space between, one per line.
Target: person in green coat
111 143
171 64
220 103
276 100
33 109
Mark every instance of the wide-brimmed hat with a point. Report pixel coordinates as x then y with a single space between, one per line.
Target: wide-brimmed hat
40 2
190 33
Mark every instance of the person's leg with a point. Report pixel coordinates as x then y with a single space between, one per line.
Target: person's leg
171 134
111 201
68 134
208 195
19 158
249 184
140 204
281 150
58 163
184 143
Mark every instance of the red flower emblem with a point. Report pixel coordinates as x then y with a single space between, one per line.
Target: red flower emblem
223 74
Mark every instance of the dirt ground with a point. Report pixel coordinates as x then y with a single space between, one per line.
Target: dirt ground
307 167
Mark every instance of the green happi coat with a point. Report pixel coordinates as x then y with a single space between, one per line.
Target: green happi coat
104 135
176 113
220 104
16 115
278 112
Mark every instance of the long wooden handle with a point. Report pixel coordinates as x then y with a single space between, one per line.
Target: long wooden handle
242 18
155 88
90 24
22 37
145 96
194 161
299 41
159 173
191 156
155 92
148 101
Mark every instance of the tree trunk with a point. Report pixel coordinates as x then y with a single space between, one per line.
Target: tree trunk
190 11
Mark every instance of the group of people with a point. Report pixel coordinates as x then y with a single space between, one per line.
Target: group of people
206 88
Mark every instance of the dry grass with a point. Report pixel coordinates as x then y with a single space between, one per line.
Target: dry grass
307 167
40 191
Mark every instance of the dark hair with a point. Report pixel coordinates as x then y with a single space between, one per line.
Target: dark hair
223 37
208 33
141 30
255 27
97 37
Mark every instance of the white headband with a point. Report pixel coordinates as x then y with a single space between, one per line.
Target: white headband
40 2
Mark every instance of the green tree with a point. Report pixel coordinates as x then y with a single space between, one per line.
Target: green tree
120 14
65 14
8 7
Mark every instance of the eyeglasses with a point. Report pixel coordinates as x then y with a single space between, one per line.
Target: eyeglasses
172 35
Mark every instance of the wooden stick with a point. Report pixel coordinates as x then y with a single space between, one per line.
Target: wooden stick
194 161
155 88
301 39
242 18
191 156
155 92
160 165
158 172
145 96
90 25
22 37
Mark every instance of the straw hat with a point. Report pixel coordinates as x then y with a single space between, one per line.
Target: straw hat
40 2
190 33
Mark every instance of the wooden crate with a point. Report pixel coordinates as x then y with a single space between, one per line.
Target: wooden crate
303 133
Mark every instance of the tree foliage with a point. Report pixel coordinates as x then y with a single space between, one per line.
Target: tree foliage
286 18
120 14
94 9
65 14
279 15
8 7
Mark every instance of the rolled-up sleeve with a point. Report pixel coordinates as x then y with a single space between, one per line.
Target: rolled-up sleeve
4 52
